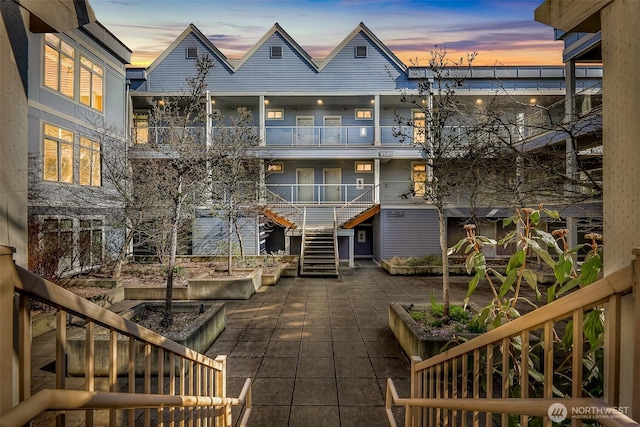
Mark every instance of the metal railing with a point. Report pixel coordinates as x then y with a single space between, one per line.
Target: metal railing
335 241
518 368
177 383
283 207
306 136
319 194
356 206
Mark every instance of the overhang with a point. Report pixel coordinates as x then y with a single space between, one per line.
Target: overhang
571 16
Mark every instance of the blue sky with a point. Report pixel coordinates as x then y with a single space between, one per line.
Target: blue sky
503 32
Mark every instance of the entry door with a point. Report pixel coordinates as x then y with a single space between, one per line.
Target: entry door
331 134
304 130
332 181
304 187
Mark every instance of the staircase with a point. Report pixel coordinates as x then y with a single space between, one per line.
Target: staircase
319 253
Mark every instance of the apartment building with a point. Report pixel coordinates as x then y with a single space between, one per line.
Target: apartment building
331 140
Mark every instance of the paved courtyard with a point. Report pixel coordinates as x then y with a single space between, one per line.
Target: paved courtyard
319 351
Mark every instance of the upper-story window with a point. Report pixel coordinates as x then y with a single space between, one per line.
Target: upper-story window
276 52
141 128
58 154
91 84
275 114
364 167
59 65
364 113
90 163
361 51
419 127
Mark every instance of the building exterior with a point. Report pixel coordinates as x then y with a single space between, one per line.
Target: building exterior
603 31
329 136
76 109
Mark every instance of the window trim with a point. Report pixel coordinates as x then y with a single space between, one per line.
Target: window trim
275 111
94 151
273 52
278 167
60 142
59 49
92 74
419 192
363 163
363 110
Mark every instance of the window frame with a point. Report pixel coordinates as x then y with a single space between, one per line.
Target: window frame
278 167
358 54
96 72
275 111
363 110
419 187
62 159
62 51
94 151
273 54
363 163
188 50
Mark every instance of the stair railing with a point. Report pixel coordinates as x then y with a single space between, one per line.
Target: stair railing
303 237
177 383
335 240
356 206
478 375
283 207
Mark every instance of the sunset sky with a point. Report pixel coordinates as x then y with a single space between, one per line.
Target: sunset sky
503 32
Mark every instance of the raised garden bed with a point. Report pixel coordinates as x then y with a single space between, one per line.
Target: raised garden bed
198 335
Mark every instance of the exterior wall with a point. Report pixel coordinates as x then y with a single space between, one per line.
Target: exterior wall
210 236
408 232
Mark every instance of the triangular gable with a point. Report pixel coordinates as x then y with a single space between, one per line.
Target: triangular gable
191 29
277 29
376 41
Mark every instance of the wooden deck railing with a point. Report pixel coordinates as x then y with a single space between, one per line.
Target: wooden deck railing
518 370
178 385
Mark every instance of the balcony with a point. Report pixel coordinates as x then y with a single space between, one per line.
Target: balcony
320 194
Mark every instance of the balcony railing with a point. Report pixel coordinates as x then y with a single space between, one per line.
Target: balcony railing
319 194
309 136
518 370
177 384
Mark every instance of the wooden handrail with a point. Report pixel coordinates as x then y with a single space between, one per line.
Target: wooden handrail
51 293
620 282
67 400
530 407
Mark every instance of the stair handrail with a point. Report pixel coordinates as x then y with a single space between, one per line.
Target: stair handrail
335 241
343 211
28 286
303 237
432 380
287 207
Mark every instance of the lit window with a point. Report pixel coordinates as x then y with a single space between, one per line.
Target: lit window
58 65
58 154
275 114
364 113
141 128
89 163
419 178
419 127
277 167
364 167
91 76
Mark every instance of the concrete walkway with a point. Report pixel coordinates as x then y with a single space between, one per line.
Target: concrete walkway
319 351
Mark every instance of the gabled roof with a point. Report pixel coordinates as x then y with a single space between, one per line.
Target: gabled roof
191 29
277 29
363 28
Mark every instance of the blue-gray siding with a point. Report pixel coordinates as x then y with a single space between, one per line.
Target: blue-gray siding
408 232
210 236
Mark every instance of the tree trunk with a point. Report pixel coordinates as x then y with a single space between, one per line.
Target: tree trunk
230 240
117 268
239 237
173 249
442 222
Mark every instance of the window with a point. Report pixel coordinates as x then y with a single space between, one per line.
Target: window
57 240
276 52
364 113
91 76
364 167
141 128
275 114
192 52
58 154
90 243
361 51
419 178
419 127
90 163
275 167
59 65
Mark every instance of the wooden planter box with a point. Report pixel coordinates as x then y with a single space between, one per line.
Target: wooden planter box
199 336
410 335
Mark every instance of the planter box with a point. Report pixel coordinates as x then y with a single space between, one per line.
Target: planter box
410 335
199 336
406 270
271 279
205 287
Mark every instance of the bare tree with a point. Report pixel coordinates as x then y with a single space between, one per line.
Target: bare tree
236 174
438 113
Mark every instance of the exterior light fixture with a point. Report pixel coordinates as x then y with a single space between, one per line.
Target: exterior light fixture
266 102
533 101
320 101
478 101
373 101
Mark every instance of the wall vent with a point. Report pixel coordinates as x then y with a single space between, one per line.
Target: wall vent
192 53
361 51
276 52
